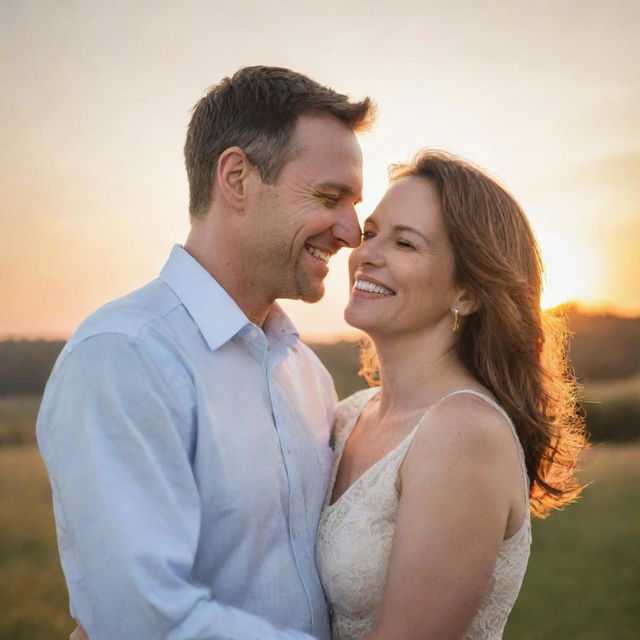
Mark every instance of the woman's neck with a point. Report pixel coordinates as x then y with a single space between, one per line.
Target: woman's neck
416 371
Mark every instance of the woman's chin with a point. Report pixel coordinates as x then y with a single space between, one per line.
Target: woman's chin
359 320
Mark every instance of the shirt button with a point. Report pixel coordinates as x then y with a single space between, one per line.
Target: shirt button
253 333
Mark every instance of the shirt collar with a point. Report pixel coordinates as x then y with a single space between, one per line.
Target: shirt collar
214 311
278 326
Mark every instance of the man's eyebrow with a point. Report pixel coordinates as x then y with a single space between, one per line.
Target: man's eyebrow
343 189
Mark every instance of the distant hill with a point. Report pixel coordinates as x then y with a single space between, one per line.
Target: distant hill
25 365
605 351
603 347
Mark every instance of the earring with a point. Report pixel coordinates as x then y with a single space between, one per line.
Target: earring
456 321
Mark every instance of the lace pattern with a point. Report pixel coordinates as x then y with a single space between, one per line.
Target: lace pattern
355 534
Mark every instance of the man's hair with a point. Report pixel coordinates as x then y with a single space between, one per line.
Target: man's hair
256 109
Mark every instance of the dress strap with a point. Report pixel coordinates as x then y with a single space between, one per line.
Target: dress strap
490 401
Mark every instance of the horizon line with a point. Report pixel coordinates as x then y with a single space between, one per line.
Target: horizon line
348 335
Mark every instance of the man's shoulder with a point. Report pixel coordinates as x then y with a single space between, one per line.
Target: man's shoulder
130 315
309 359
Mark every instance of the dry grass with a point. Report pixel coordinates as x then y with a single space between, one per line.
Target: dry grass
33 596
583 581
17 419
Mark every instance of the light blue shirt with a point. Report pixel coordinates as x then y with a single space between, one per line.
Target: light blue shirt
188 452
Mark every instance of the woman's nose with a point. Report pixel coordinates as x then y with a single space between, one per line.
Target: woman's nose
367 252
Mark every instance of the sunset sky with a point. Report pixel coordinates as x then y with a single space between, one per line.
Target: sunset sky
96 97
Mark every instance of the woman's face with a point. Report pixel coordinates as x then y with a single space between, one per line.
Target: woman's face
402 274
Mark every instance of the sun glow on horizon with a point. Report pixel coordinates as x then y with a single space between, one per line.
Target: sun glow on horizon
572 272
93 186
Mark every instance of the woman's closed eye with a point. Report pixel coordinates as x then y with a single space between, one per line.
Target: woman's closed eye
367 234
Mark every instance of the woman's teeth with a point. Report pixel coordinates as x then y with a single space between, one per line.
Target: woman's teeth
365 285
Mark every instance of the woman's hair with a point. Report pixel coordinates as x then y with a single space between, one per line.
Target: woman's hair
508 344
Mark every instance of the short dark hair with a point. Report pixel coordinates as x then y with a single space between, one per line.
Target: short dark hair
256 109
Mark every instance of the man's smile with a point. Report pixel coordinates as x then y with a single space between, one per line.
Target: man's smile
318 253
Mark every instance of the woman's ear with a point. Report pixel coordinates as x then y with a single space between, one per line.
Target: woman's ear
234 167
466 303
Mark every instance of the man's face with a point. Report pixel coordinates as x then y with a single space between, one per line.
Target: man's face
299 222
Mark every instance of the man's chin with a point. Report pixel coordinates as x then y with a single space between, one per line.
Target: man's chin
312 297
310 292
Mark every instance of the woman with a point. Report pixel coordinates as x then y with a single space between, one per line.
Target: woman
426 532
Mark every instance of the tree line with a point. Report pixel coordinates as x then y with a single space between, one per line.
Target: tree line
602 347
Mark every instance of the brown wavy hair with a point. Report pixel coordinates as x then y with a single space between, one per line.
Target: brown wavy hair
510 346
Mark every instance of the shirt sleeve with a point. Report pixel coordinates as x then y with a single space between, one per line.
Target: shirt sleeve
115 430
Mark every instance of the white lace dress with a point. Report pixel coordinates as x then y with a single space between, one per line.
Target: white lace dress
355 533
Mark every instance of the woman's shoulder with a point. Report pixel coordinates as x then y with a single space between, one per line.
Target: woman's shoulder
463 449
465 424
350 407
357 399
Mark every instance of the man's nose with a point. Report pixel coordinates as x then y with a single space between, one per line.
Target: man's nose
347 228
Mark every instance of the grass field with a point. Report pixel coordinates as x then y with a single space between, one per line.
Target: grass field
583 581
33 598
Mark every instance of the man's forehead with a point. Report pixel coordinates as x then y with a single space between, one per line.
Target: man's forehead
326 154
324 133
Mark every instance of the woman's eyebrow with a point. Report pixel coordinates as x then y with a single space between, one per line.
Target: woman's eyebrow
405 228
402 228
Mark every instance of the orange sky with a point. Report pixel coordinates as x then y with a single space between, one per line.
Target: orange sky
96 99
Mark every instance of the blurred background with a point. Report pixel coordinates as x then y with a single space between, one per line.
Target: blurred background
544 94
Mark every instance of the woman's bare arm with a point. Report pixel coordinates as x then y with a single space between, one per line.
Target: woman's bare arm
459 484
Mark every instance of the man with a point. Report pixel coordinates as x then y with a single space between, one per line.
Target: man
185 427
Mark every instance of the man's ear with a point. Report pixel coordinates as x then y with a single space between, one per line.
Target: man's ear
234 167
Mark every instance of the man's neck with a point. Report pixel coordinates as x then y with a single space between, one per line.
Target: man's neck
224 262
